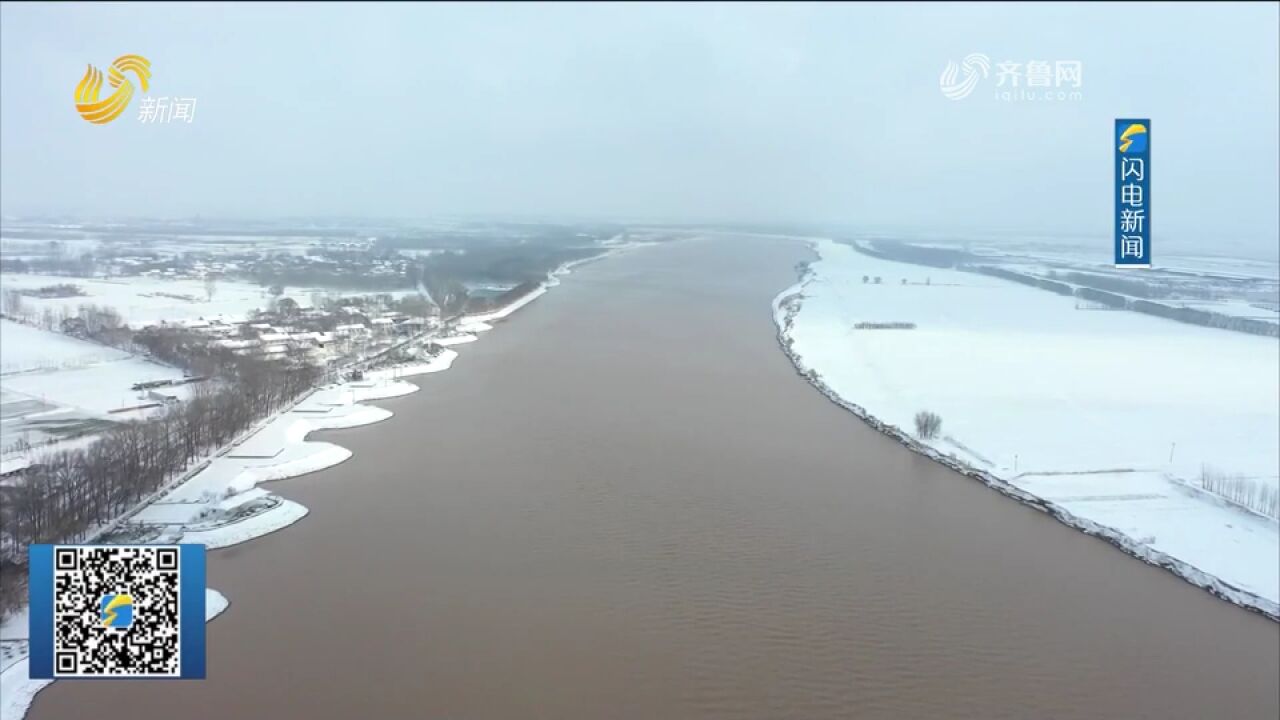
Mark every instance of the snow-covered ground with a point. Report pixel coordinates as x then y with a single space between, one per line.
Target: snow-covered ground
1031 389
57 387
146 300
97 389
23 347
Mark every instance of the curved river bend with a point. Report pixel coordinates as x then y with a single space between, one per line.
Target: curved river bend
625 503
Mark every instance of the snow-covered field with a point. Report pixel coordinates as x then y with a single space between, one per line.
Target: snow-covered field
57 387
26 348
145 301
96 389
1031 389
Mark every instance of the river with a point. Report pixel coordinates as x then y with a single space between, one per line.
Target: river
623 502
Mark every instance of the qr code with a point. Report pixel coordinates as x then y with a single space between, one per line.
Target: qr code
115 611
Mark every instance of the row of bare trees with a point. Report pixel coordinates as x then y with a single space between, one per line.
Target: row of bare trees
70 492
1256 494
101 323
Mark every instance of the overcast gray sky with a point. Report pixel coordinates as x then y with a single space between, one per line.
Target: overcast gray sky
817 113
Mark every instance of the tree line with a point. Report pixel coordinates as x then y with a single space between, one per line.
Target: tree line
100 323
69 492
1191 316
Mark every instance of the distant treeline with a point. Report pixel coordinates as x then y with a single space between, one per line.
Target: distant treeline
485 304
61 290
505 264
327 277
1110 299
84 265
510 264
188 233
1052 286
1118 293
1134 288
884 326
99 323
915 254
507 235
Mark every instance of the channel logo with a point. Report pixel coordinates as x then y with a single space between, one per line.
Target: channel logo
1133 139
101 112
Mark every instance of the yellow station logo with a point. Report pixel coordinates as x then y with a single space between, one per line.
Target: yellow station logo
101 112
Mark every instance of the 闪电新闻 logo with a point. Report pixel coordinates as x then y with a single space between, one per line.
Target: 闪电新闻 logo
1133 139
100 112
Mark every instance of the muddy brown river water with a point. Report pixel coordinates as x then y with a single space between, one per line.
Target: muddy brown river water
624 503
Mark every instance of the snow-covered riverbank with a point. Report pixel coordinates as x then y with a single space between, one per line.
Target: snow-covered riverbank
1106 420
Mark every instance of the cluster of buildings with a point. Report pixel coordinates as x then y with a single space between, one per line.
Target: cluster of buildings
355 257
360 267
180 271
314 335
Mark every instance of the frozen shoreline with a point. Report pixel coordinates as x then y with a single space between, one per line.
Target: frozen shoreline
1031 490
221 505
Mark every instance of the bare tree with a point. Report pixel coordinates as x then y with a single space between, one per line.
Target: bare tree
928 424
287 307
449 295
12 302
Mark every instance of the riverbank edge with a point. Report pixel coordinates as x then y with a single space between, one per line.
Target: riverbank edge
787 304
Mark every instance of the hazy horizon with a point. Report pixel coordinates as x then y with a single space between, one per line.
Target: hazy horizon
799 114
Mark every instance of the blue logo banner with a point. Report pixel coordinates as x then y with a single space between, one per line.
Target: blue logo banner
1132 143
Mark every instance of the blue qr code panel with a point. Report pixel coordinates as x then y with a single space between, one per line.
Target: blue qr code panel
117 611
